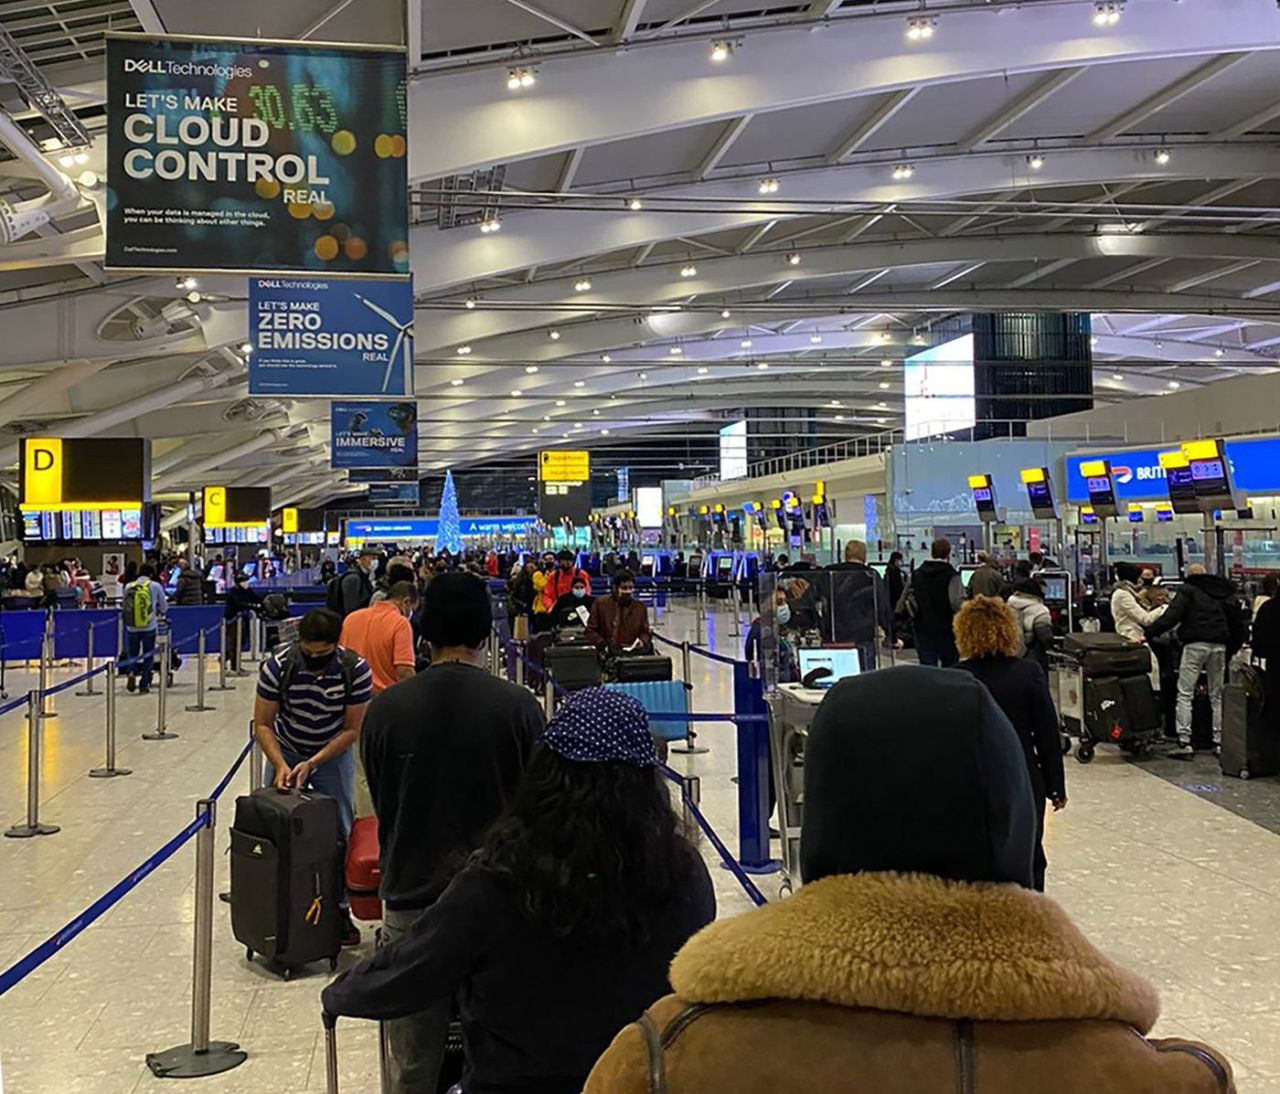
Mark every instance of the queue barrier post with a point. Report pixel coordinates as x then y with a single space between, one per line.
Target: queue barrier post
120 651
495 654
736 594
690 746
223 653
46 667
89 689
161 732
255 639
690 797
700 616
200 1056
199 704
35 726
548 695
109 770
237 644
520 654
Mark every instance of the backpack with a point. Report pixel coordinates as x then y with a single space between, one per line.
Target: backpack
333 594
293 663
139 611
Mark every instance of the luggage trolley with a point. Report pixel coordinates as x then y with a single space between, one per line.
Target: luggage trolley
1111 702
791 713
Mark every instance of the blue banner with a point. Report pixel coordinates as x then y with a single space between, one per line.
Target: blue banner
427 527
374 434
315 336
1255 469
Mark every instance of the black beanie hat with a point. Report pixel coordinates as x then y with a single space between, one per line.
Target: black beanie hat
916 770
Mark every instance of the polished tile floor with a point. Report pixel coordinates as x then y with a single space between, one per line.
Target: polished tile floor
1158 873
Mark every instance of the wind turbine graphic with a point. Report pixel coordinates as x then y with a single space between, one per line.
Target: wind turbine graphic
404 338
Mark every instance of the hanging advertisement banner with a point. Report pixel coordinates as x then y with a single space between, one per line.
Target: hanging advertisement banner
313 336
256 157
374 434
395 493
359 475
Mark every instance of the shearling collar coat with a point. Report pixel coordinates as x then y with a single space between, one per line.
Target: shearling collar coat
902 984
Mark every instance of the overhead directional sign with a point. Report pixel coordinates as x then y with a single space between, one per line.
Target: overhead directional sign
564 466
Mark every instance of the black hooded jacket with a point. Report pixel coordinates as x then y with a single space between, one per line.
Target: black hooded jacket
1205 609
970 814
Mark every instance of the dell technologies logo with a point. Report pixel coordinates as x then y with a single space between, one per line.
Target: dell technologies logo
186 68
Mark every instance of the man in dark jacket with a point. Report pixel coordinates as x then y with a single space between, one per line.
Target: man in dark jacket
987 580
190 586
356 585
939 593
620 621
443 753
860 604
1212 626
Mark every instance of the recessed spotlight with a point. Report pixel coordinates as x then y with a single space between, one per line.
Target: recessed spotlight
554 335
1174 385
457 383
884 385
577 425
745 343
583 285
1163 156
635 205
604 433
1106 13
546 417
689 270
1118 377
246 348
1219 352
920 30
516 393
721 50
464 351
903 171
703 371
579 383
815 339
490 224
886 362
676 351
531 369
793 259
836 402
882 406
881 421
762 364
596 413
644 376
560 402
471 303
605 358
725 313
768 186
1035 161
1159 344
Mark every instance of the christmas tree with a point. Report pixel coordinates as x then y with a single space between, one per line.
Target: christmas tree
449 537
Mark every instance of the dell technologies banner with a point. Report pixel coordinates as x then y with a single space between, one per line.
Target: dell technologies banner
256 157
375 434
313 336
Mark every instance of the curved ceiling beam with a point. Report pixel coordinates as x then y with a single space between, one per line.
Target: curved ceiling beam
443 332
464 120
453 259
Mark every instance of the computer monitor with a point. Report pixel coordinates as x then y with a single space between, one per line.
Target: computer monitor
966 574
882 568
839 662
1055 588
724 568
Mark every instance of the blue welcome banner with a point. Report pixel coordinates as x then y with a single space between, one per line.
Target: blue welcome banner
330 337
374 434
427 527
1255 469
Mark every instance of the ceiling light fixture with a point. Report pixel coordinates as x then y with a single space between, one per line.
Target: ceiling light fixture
885 336
676 351
596 413
1107 13
1163 156
835 402
582 285
703 371
886 362
516 393
725 313
721 50
745 343
762 364
490 224
531 369
605 358
882 406
1035 161
186 283
881 421
839 418
815 339
689 270
1174 385
793 259
884 385
903 171
560 402
1118 377
456 383
464 351
194 297
554 335
1093 341
66 161
644 376
246 348
579 383
604 433
920 30
471 303
1219 352
769 185
522 77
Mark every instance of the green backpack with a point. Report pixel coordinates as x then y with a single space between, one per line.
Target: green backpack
138 608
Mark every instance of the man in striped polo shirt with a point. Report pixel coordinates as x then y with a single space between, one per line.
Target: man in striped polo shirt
310 706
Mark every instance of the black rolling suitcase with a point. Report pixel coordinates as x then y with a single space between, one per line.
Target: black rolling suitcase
454 1064
640 668
1142 705
1107 655
1250 745
1109 720
287 855
573 667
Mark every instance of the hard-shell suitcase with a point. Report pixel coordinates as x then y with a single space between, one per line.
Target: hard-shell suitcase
573 667
286 877
660 697
363 873
1107 718
1250 744
1108 655
1141 704
635 668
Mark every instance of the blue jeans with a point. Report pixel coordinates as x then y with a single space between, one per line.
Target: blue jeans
337 779
141 646
1211 659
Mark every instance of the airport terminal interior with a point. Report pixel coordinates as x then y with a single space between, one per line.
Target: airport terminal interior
822 344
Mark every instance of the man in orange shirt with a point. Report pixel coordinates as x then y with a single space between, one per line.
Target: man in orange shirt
382 635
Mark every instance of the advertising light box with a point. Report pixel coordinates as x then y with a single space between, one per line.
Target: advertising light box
733 452
374 434
939 387
248 156
1138 476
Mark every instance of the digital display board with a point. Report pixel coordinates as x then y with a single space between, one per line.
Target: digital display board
733 452
235 506
1088 516
1210 474
939 388
984 496
88 525
83 472
649 506
1100 487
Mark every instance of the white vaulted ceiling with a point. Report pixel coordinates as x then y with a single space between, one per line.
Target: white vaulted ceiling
1129 170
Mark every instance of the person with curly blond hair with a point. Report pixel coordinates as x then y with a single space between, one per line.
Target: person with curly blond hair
988 640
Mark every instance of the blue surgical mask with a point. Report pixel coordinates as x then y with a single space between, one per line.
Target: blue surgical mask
783 615
579 593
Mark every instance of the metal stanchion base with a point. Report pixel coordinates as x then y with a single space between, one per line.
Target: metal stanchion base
690 750
48 714
109 772
196 708
160 735
770 867
222 687
86 694
184 1062
26 831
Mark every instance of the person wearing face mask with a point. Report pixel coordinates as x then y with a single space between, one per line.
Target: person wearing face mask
308 713
620 621
383 635
354 589
561 579
574 608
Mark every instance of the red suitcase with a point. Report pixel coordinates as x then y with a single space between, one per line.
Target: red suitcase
363 875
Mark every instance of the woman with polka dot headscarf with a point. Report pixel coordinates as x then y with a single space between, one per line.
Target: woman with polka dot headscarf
560 929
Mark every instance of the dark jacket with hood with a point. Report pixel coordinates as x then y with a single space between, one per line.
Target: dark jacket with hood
1205 609
914 959
939 595
190 587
